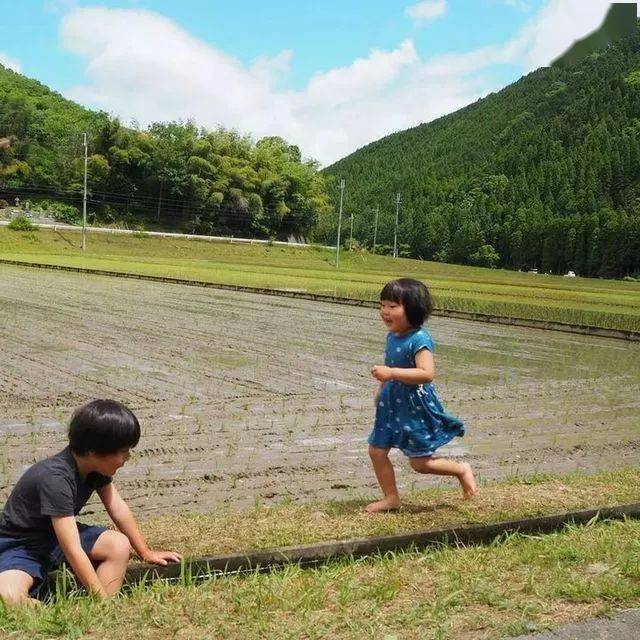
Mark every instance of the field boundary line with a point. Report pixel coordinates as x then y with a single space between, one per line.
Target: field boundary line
322 552
530 323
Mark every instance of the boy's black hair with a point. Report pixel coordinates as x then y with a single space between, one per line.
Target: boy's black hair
103 427
414 297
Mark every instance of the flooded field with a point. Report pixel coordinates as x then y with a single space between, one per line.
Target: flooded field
247 398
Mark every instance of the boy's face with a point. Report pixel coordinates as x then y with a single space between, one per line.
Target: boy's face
108 463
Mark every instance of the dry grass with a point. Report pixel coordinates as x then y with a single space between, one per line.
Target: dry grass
289 524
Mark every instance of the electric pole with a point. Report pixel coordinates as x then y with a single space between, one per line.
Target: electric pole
339 224
395 232
375 230
351 232
84 198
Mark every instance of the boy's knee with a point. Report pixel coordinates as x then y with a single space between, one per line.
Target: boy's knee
113 544
14 588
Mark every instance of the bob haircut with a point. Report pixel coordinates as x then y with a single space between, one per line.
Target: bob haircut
103 427
413 295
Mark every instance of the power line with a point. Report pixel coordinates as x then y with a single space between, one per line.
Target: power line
187 209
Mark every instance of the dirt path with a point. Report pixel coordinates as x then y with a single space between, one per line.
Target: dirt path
245 397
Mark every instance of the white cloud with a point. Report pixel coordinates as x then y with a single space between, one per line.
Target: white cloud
556 26
143 66
10 63
363 76
426 10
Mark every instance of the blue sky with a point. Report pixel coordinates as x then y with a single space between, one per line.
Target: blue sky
329 76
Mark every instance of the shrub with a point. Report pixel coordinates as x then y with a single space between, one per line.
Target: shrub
485 256
61 211
21 223
3 204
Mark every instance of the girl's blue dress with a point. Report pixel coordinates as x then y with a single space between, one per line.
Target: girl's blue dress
408 416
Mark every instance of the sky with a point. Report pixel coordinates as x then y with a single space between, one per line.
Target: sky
329 75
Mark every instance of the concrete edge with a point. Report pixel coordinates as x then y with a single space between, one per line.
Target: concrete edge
319 553
618 334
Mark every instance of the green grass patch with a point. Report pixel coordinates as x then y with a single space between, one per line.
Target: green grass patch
515 585
600 303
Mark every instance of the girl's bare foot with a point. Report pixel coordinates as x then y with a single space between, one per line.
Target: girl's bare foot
468 482
388 503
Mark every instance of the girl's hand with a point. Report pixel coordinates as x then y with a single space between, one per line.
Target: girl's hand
162 557
382 373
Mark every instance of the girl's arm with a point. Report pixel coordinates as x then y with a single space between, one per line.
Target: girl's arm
424 371
122 517
66 530
376 396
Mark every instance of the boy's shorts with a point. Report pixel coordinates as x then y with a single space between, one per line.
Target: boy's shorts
16 554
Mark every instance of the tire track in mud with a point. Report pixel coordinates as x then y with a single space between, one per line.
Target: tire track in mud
244 397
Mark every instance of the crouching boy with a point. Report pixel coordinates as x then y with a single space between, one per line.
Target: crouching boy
38 530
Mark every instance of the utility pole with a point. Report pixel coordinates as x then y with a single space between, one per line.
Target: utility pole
351 232
339 224
375 230
159 202
84 198
395 233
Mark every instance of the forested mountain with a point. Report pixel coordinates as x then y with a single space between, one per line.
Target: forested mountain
545 173
174 175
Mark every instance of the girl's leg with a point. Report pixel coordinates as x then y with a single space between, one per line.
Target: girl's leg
445 467
111 552
15 586
386 479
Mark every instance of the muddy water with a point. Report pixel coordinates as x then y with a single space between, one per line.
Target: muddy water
245 397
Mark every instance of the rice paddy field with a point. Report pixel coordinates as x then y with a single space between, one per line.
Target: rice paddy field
600 303
255 411
246 397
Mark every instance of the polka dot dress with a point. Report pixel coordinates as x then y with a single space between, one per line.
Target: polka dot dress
408 416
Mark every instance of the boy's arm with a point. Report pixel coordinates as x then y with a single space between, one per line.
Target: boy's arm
66 530
122 517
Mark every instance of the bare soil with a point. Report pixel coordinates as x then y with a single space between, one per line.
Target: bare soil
247 398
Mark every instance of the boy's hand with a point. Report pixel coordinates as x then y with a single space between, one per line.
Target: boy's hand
161 557
382 373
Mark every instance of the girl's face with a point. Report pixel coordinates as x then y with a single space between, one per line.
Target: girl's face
394 316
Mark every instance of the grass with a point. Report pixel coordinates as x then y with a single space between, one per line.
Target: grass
600 303
515 585
228 531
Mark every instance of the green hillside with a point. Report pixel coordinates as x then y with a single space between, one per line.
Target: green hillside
545 173
172 175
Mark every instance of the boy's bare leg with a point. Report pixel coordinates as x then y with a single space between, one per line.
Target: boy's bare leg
14 588
386 479
445 467
111 551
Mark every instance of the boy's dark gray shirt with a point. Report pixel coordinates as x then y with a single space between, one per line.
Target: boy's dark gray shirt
51 487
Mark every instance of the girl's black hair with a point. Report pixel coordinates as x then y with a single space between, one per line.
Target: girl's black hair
103 427
414 297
